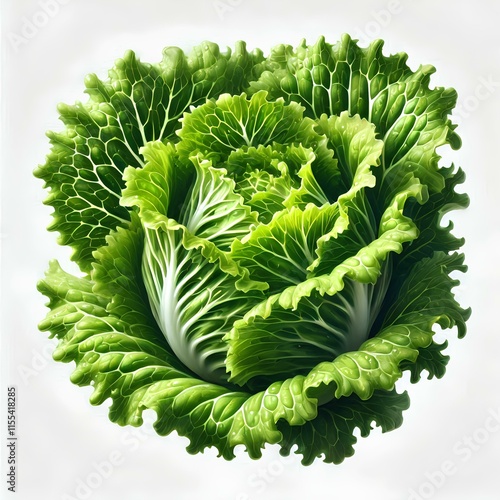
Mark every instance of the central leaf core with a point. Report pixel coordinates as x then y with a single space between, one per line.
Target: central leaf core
253 223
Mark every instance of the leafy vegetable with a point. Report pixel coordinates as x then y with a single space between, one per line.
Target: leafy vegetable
261 242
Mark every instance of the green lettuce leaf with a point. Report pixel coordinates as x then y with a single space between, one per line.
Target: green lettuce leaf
218 128
330 434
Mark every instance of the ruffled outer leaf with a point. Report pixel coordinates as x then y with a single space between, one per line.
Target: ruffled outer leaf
330 434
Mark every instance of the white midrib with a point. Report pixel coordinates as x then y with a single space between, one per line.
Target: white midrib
168 314
361 317
169 317
174 330
365 308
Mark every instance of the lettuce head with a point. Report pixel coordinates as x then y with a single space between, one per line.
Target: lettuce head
260 242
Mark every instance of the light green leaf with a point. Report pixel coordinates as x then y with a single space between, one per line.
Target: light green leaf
159 188
296 241
70 299
354 143
218 128
311 190
271 178
280 252
265 192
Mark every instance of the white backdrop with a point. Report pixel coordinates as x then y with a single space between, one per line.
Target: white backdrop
69 449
